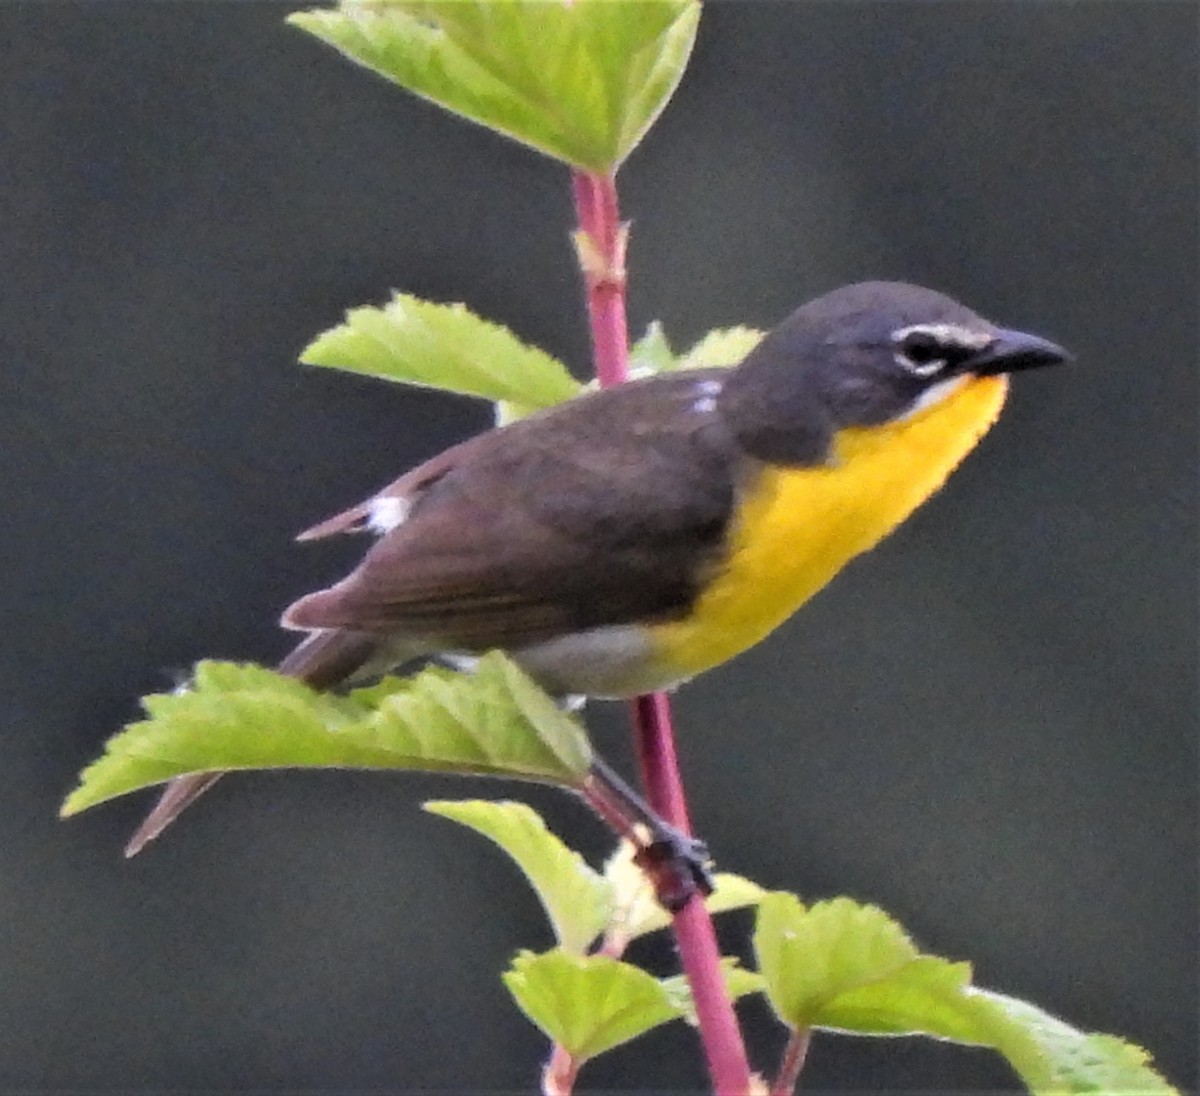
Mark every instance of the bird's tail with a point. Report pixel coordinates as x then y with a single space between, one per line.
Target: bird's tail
323 660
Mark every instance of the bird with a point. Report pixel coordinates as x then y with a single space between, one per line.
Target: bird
636 536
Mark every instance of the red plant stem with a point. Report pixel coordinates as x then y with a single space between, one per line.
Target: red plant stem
601 247
655 738
600 243
724 1050
793 1062
558 1078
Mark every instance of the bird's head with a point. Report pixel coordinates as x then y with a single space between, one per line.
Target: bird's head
864 355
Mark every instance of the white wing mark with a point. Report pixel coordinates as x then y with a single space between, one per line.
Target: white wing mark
385 512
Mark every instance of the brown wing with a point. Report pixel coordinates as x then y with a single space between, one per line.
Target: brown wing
605 510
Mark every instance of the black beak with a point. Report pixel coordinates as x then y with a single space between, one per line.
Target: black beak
1015 350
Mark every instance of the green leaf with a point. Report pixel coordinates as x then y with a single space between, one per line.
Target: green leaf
442 346
810 956
923 996
494 722
577 900
722 347
638 912
588 1003
579 80
851 968
651 353
1053 1057
593 1003
507 411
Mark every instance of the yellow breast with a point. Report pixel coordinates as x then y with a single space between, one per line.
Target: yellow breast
797 528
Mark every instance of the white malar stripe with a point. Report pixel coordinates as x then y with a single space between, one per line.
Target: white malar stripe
935 393
385 512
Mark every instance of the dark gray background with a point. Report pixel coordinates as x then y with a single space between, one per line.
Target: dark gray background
988 727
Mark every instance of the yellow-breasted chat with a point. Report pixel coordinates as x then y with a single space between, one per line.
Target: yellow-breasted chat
634 537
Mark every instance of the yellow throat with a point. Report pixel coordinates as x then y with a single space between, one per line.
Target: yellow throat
798 527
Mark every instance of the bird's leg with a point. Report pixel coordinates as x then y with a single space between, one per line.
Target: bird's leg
675 862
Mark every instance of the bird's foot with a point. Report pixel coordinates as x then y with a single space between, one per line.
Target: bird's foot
678 866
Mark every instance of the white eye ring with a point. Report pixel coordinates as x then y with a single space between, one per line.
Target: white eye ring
947 336
919 369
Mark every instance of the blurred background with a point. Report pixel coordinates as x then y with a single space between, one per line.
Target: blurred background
988 726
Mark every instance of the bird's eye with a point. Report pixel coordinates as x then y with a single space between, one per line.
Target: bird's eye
923 349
